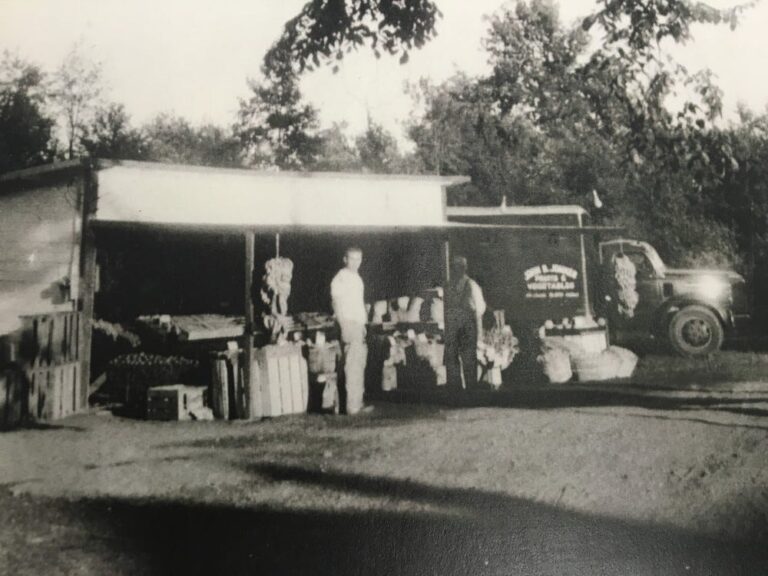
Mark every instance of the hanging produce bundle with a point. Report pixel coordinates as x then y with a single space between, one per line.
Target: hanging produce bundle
275 291
625 284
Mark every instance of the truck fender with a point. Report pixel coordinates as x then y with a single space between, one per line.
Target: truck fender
668 309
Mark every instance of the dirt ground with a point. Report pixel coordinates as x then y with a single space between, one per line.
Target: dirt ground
612 479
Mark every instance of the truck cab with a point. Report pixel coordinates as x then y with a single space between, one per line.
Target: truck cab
693 310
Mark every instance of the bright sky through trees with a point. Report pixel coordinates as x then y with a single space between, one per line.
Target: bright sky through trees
192 57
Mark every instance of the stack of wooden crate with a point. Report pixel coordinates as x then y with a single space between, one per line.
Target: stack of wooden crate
227 392
279 380
279 383
53 374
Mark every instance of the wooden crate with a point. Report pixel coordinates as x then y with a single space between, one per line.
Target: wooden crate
220 389
52 339
12 405
54 387
54 391
227 392
173 402
279 381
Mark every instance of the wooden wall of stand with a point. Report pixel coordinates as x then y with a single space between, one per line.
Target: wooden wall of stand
45 383
54 373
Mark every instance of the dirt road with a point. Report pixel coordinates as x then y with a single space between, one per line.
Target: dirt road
634 481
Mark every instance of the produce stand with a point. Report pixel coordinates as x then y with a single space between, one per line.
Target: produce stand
192 274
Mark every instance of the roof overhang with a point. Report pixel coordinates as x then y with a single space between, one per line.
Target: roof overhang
149 193
345 229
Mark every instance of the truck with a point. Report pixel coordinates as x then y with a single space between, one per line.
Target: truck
691 312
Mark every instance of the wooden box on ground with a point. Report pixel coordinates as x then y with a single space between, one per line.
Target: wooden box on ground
173 402
130 376
279 381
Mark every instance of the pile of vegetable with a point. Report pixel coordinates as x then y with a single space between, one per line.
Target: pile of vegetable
625 284
142 371
275 291
498 347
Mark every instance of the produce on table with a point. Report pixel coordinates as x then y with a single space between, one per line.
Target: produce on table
437 312
414 309
116 332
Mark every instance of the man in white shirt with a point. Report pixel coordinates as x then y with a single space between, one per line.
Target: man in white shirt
464 309
348 300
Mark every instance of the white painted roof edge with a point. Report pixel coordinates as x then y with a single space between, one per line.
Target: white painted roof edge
514 210
137 164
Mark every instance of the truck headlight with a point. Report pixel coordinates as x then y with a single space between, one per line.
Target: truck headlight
712 287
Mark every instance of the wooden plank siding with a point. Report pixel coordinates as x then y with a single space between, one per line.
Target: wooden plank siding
40 230
47 271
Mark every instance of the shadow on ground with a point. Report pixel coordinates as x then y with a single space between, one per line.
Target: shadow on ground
464 532
557 397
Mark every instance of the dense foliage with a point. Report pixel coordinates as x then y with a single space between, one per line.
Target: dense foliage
566 114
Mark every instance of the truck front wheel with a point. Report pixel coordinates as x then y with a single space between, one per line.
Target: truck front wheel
695 331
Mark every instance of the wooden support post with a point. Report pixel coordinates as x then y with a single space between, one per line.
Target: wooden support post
87 283
447 255
252 395
584 279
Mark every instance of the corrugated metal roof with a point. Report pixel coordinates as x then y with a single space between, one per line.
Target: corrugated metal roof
161 193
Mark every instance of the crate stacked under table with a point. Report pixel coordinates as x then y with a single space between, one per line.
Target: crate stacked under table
279 383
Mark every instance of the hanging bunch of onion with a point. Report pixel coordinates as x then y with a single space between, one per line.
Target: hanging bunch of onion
625 284
499 346
275 291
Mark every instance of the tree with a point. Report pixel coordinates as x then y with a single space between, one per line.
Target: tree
173 139
549 125
77 87
110 135
326 29
336 153
377 149
25 128
274 126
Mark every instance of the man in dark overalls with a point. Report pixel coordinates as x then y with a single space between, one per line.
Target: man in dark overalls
464 309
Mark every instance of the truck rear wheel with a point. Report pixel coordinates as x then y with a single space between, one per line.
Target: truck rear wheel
695 331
